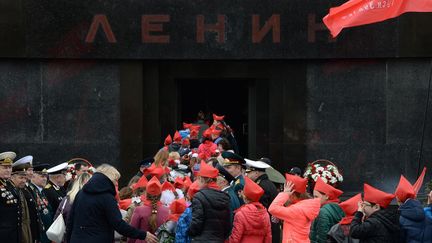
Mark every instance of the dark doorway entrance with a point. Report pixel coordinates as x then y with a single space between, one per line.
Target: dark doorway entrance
227 97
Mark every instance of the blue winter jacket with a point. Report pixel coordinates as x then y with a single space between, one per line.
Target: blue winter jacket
415 228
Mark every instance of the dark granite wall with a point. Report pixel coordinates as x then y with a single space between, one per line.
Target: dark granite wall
365 115
57 110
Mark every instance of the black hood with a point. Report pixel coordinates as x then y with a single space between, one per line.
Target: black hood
389 218
413 210
217 199
99 183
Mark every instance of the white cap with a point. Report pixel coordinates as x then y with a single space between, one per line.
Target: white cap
256 164
57 168
24 160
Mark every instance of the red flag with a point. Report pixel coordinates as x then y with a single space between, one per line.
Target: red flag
361 12
418 184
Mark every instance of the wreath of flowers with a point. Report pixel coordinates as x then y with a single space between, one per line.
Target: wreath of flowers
325 169
71 173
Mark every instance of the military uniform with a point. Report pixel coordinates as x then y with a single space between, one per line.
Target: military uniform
10 213
44 211
35 223
54 194
10 205
235 159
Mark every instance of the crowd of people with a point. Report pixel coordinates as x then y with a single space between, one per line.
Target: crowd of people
197 188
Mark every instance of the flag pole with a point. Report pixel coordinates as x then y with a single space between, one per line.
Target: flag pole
424 120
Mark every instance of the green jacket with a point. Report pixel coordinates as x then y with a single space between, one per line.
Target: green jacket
329 215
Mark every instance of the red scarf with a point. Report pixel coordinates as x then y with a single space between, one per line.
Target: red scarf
346 220
213 185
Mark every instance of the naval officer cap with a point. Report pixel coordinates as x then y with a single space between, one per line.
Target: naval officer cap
58 169
253 165
22 165
6 158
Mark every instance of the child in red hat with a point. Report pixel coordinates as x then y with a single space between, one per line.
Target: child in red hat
373 222
297 211
166 232
330 212
210 209
414 224
152 213
340 232
251 221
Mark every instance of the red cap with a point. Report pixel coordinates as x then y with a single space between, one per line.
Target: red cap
168 140
178 183
187 125
141 183
154 187
376 196
218 118
186 141
187 182
207 133
404 190
194 133
157 171
299 182
350 206
207 170
177 207
331 192
194 188
418 184
177 137
252 190
168 186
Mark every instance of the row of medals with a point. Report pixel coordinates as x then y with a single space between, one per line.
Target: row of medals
10 198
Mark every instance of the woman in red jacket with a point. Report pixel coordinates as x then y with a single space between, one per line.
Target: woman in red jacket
251 221
295 209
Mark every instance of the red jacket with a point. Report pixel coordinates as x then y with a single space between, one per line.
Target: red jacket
297 217
251 225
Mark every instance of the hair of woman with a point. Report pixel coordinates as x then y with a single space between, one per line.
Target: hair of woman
77 185
161 157
109 171
154 211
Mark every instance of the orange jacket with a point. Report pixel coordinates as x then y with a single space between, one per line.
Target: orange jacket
297 217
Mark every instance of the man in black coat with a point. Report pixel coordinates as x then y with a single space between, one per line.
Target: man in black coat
10 206
381 224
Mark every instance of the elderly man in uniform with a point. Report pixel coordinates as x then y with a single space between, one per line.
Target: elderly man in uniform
54 189
18 180
233 163
37 184
10 206
25 164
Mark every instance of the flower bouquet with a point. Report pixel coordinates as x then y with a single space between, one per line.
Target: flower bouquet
325 169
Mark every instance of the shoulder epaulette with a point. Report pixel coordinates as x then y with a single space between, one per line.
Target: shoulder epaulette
47 186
